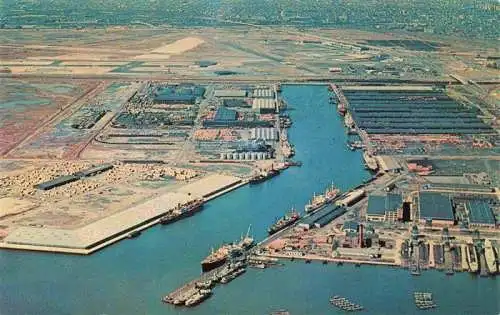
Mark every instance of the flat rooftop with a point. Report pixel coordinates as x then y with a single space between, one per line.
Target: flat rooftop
379 204
480 212
435 206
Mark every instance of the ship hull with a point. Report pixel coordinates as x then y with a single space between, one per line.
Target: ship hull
274 230
210 265
168 220
259 179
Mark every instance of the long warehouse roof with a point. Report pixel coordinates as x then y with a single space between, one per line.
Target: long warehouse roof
480 212
435 206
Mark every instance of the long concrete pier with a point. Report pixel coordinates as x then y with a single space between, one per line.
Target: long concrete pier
97 235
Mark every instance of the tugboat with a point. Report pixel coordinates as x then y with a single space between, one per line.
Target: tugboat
182 211
319 201
287 220
263 176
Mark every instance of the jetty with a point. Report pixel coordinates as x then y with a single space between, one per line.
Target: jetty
199 289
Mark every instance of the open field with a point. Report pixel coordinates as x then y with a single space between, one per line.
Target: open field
278 52
25 105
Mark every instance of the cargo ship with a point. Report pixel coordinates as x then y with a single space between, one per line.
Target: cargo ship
283 222
263 176
219 257
182 211
320 200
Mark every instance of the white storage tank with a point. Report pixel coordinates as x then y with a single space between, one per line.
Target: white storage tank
241 156
247 155
235 156
254 155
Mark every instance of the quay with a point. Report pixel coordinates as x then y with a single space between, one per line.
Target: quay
99 234
200 289
189 288
309 257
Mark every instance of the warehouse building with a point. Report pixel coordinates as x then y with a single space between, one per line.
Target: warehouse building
351 198
235 102
384 208
56 182
174 99
94 170
436 209
388 164
181 94
350 227
230 93
264 134
480 214
224 114
263 93
322 217
329 217
264 105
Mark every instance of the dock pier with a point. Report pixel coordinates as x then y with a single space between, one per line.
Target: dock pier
184 290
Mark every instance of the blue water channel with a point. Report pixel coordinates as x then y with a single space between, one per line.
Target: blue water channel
131 277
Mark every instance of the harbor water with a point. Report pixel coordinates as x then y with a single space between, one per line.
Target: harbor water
130 277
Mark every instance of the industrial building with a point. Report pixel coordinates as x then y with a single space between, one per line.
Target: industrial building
384 208
225 114
322 217
235 102
329 217
388 164
413 112
351 198
350 227
174 99
436 209
182 94
480 214
264 105
263 93
56 182
230 93
264 133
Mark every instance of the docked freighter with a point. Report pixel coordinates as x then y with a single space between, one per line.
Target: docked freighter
263 176
319 201
287 220
219 257
182 211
